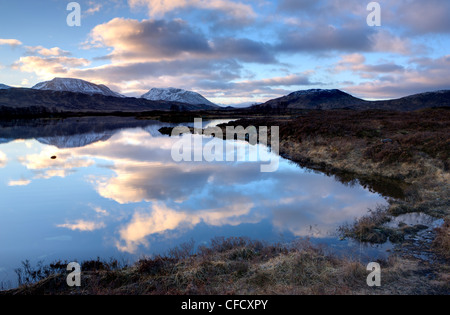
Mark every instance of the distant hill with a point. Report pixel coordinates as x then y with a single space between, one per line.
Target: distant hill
314 99
417 101
4 87
337 99
177 95
20 101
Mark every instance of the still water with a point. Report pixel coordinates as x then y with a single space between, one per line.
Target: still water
108 187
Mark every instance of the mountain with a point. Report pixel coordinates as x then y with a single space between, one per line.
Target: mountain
4 87
313 99
337 99
21 102
416 101
75 85
177 95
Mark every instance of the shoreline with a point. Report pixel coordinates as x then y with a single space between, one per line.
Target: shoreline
239 266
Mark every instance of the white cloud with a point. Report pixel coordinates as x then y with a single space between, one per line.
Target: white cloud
49 67
83 226
10 42
158 8
161 219
46 52
21 182
3 159
93 8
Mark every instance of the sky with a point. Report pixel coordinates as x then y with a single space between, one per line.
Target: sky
232 52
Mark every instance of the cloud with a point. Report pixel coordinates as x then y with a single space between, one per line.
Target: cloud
46 52
289 80
3 159
49 67
47 174
100 211
423 17
149 40
422 75
21 182
325 38
45 168
244 50
356 63
413 17
136 183
158 8
161 219
157 40
93 8
83 226
385 41
347 38
10 42
64 160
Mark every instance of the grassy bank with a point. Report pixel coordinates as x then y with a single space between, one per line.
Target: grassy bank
240 267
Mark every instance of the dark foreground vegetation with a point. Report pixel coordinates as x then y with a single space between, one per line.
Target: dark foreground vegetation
237 266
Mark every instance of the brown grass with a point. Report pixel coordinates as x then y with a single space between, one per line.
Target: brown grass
370 229
442 242
240 266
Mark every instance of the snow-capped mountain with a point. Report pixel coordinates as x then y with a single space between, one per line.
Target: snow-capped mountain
4 87
177 95
75 85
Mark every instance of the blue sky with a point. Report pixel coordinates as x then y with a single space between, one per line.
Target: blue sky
230 51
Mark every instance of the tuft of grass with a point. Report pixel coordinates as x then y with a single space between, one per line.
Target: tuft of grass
441 243
369 228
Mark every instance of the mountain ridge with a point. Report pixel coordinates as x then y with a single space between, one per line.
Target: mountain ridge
177 95
76 86
32 102
337 99
25 102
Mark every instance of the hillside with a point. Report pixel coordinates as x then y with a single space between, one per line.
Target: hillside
336 99
76 86
177 95
16 102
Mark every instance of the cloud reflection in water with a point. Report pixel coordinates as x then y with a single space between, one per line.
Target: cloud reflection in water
171 197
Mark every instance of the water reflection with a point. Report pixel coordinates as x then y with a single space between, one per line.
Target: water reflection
106 192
